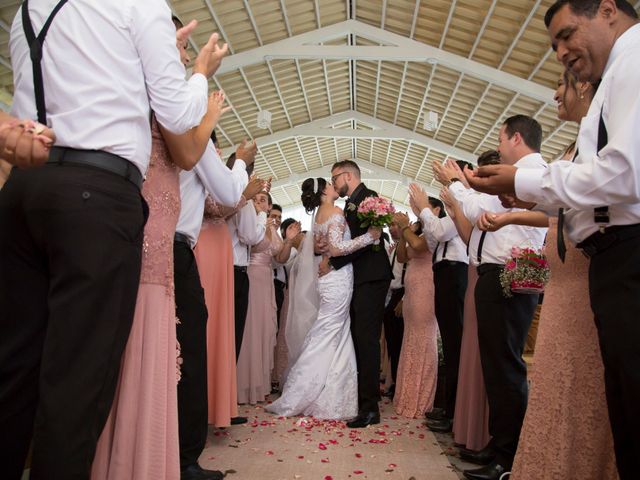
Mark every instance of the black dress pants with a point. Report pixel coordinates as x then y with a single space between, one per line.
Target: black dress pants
394 330
503 324
367 314
241 303
191 311
70 255
614 288
450 282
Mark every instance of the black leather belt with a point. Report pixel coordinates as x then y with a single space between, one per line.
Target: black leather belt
240 269
600 241
446 263
97 159
182 238
489 267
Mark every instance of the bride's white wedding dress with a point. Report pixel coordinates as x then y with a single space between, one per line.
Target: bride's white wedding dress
323 380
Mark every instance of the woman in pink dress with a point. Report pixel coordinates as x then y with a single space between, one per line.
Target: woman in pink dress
418 367
140 438
257 352
566 431
214 255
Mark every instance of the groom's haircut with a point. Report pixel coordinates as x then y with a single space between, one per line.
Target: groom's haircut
586 8
347 165
435 202
490 157
284 225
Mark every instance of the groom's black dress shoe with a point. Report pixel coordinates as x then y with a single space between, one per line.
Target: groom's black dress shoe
443 426
481 457
390 392
493 471
364 419
196 472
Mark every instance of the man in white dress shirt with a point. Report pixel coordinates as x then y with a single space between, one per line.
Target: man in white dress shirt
503 323
209 177
71 231
450 269
599 42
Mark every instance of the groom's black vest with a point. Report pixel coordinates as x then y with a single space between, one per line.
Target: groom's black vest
368 265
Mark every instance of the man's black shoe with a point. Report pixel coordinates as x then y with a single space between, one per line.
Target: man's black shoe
441 426
238 420
436 414
196 472
481 457
493 471
364 419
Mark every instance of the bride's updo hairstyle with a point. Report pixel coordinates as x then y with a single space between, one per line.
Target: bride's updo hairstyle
311 198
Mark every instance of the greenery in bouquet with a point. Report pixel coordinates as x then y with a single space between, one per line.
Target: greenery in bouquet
527 271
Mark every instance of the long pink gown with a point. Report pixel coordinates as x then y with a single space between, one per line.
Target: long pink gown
140 438
566 432
418 367
471 418
256 358
214 255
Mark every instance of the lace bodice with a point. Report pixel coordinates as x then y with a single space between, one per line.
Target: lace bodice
161 190
339 237
215 213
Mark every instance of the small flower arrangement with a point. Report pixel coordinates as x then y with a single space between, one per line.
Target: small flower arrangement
375 212
526 272
351 207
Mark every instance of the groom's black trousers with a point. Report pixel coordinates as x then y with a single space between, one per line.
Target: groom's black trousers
367 315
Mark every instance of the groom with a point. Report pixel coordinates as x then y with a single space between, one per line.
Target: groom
372 275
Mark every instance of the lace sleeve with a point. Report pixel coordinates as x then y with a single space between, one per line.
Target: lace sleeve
338 246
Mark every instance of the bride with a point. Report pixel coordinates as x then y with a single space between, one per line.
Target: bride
322 377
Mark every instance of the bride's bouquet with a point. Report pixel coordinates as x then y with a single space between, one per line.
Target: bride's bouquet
375 212
526 272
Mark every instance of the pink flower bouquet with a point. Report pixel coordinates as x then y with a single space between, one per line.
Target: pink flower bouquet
375 212
527 271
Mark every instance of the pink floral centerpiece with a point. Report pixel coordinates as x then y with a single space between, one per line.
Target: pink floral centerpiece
527 271
375 212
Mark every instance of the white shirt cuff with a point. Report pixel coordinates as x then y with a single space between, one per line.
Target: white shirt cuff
528 184
198 80
239 164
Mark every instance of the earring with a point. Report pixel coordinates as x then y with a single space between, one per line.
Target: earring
581 96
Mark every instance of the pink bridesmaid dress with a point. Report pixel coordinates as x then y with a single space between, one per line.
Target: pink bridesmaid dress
256 359
471 417
566 431
418 367
214 255
140 438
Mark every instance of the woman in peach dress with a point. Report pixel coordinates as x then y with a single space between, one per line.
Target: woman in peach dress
140 437
418 367
214 255
256 359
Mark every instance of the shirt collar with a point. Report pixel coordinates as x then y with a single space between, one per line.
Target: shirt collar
621 44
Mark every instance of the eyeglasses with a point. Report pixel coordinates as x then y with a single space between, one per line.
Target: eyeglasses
335 177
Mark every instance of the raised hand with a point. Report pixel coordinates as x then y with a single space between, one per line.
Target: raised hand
292 231
247 151
183 34
401 219
25 143
459 173
216 107
492 179
254 187
418 197
443 173
375 232
490 222
210 57
449 201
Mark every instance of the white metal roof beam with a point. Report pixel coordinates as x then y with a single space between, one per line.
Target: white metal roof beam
382 131
394 48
